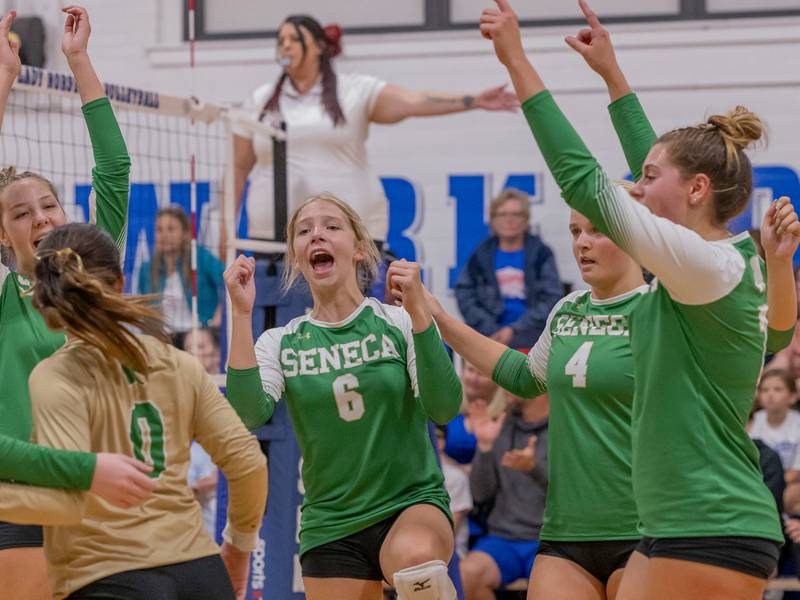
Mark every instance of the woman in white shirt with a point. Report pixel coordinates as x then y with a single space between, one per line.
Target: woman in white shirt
328 117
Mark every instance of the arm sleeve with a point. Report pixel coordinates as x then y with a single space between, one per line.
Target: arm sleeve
247 396
548 291
778 340
111 173
432 373
234 450
28 505
483 477
634 131
513 374
24 462
475 315
693 270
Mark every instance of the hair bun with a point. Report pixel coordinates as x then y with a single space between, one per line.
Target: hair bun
738 127
333 34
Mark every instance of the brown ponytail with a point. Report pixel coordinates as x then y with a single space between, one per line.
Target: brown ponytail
716 148
76 269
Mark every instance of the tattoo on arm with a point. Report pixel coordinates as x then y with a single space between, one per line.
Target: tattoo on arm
468 101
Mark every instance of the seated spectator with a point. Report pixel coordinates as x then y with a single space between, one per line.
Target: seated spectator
510 467
207 348
169 273
457 484
777 424
510 282
478 391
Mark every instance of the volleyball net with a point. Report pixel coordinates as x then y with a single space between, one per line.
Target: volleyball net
179 148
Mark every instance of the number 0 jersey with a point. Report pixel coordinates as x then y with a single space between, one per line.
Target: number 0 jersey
584 362
352 394
82 402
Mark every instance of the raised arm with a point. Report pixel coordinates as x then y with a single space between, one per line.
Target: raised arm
429 365
244 385
111 173
395 103
780 234
9 61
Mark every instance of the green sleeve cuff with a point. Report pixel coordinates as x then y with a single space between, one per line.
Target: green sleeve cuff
25 462
247 396
439 386
778 340
511 373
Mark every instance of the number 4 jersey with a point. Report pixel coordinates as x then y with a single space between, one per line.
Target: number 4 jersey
352 392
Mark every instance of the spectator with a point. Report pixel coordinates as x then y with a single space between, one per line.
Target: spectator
509 467
510 282
169 273
207 348
478 392
457 484
777 424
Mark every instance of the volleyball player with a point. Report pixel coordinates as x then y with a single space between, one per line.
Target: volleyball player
361 380
109 390
29 209
697 337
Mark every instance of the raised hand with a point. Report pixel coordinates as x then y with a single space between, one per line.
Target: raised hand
501 25
405 286
121 480
523 459
9 49
497 98
780 231
593 43
240 284
77 29
486 431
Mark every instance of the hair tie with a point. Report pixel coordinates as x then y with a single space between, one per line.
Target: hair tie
333 35
62 253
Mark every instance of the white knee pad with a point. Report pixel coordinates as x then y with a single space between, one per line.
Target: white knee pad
428 581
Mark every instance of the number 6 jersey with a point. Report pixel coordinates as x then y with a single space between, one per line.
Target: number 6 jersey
359 393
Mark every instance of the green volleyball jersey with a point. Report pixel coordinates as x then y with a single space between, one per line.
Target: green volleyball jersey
584 361
353 397
25 340
698 339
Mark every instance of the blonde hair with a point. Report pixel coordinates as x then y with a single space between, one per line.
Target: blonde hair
366 269
8 177
510 194
716 149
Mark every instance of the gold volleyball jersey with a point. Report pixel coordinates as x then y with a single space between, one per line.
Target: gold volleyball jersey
83 402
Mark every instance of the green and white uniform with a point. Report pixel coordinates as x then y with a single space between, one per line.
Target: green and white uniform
25 340
583 361
359 394
698 339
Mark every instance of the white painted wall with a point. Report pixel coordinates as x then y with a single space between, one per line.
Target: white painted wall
683 72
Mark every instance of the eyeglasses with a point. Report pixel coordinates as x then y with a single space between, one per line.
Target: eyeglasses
510 215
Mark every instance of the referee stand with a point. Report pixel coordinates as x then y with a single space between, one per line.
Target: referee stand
274 564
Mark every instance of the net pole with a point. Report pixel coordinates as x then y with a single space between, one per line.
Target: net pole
193 181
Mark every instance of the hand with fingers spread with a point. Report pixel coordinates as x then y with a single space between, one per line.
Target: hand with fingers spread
75 41
240 284
486 431
237 563
522 459
780 231
497 98
406 288
593 43
501 25
9 49
121 480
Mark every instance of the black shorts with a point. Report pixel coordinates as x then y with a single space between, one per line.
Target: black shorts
200 579
353 557
753 556
600 559
20 536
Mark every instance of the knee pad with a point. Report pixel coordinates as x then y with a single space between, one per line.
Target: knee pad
428 581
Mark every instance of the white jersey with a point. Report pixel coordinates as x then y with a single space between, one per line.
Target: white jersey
784 439
321 157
